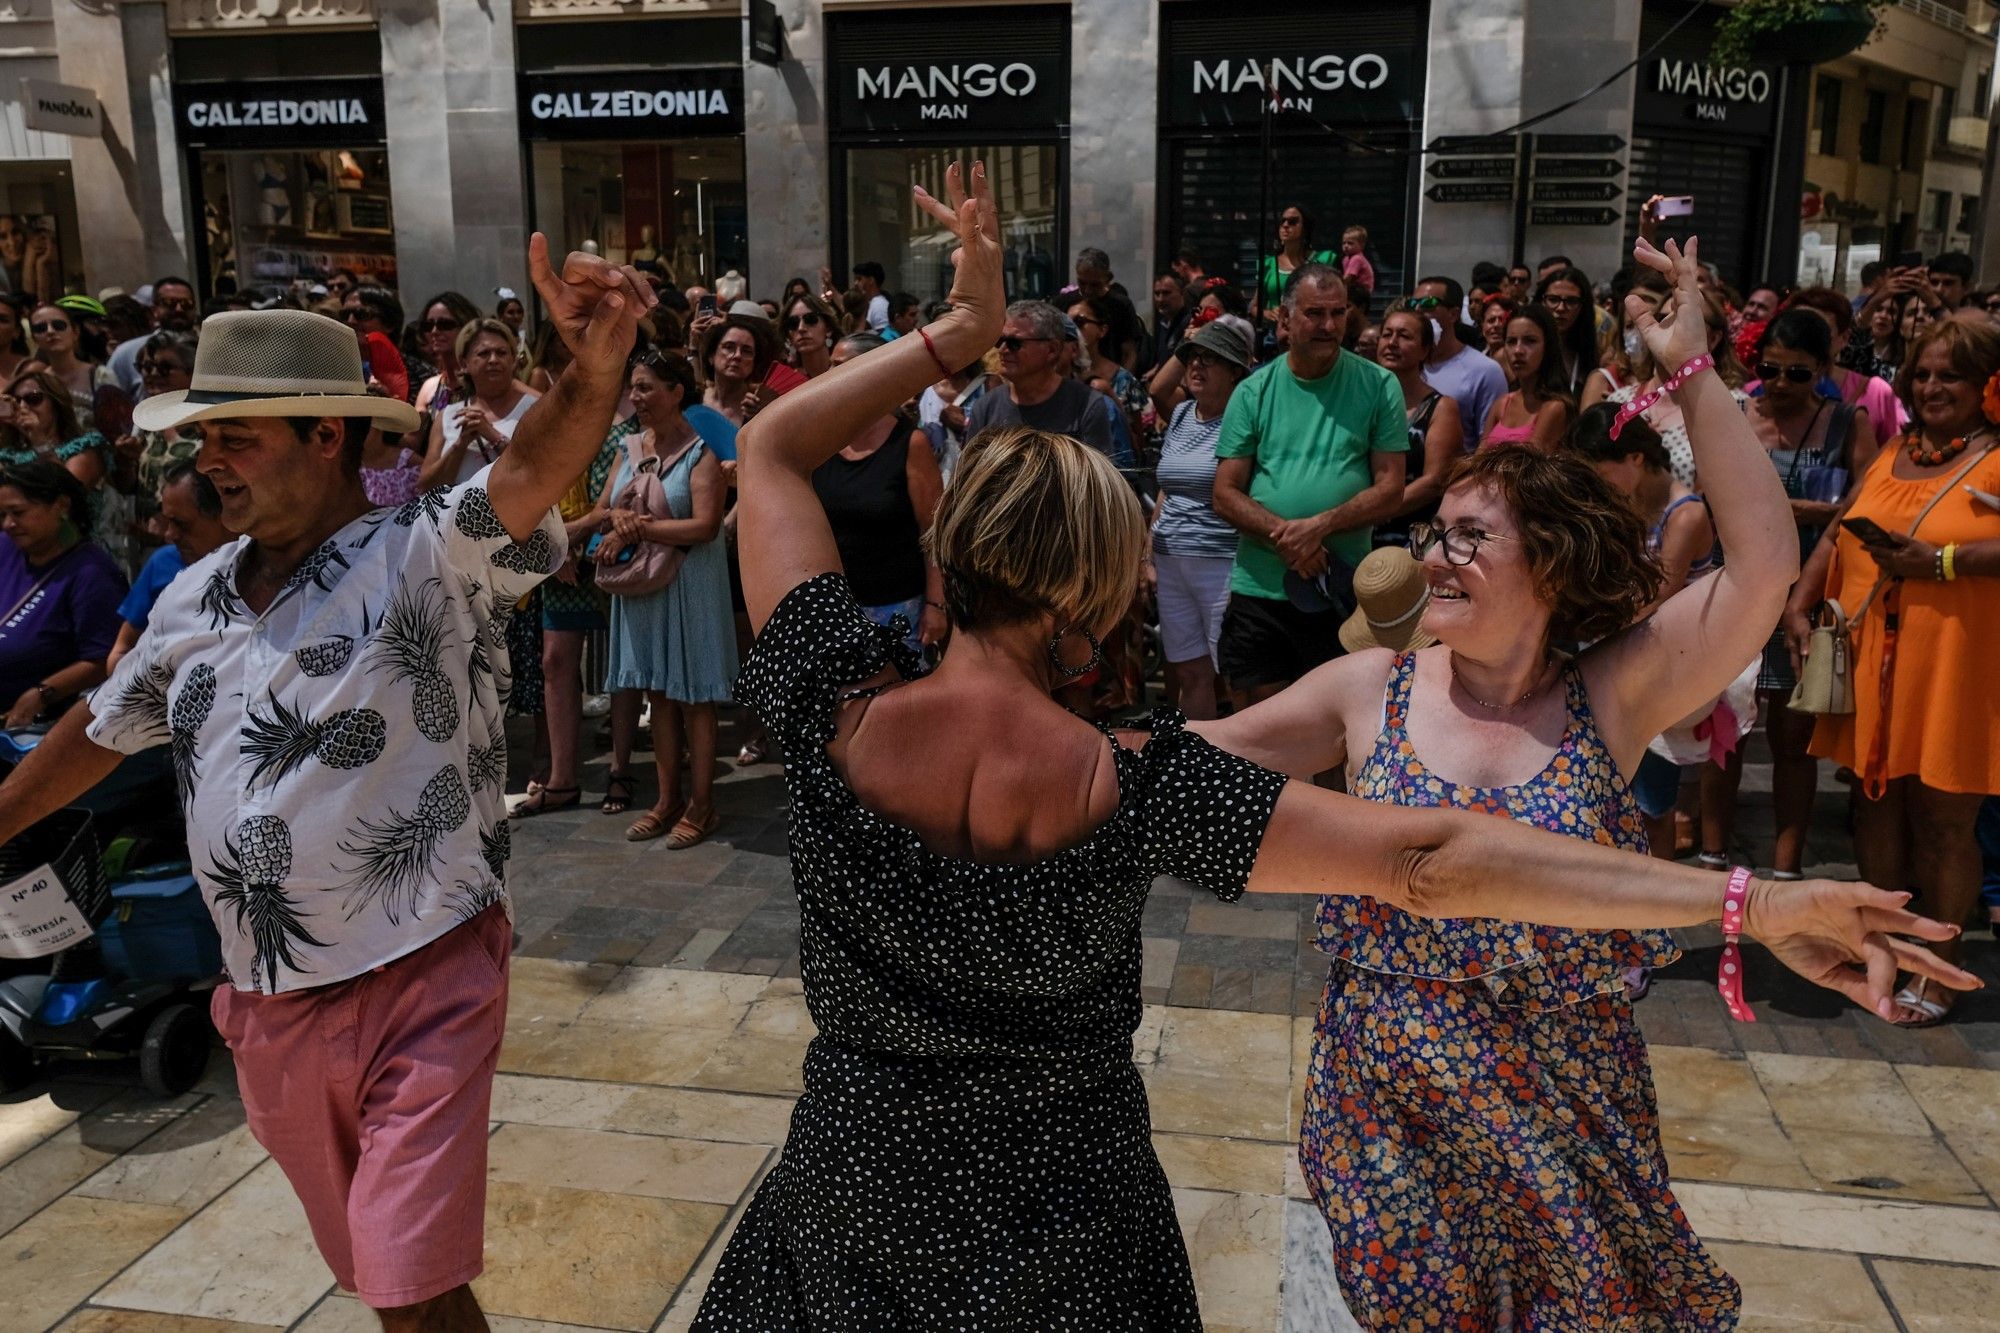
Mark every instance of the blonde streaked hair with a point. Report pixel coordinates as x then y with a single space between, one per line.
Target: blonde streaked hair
475 329
1036 524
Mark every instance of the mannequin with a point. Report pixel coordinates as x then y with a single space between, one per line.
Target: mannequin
648 249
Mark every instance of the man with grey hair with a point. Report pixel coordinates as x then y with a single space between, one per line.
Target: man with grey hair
1311 456
1093 271
1034 355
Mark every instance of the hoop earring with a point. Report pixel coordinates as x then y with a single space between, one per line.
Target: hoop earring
1069 673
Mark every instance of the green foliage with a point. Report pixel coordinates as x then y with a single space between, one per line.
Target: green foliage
1758 24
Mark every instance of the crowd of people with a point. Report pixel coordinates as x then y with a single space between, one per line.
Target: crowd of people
1570 544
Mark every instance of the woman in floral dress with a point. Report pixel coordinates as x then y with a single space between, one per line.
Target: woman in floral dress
1480 1128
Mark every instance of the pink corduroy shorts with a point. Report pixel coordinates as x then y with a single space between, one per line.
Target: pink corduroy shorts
372 1095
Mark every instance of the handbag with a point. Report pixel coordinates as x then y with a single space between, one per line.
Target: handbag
653 565
1826 677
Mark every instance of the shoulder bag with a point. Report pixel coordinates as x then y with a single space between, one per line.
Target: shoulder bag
1826 677
653 565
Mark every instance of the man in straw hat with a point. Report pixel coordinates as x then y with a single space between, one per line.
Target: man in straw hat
330 685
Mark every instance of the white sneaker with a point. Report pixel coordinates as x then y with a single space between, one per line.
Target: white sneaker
596 705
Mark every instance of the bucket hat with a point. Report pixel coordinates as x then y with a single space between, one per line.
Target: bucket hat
1390 595
274 363
1218 340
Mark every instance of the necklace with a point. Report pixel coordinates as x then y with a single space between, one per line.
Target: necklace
1532 691
1924 454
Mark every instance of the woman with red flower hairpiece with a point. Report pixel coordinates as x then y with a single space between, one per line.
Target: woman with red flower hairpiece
1922 589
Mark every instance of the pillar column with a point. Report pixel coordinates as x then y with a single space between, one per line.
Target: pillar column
785 158
1114 154
114 210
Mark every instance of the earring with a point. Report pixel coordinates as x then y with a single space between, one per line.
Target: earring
1069 673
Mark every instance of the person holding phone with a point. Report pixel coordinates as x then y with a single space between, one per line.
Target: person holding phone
1917 549
1818 444
470 432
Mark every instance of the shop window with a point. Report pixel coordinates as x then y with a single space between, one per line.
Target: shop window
1874 116
1938 215
1826 116
271 219
678 204
883 223
40 256
1968 212
1915 113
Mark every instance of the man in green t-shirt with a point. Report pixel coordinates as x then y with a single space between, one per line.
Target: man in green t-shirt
1311 456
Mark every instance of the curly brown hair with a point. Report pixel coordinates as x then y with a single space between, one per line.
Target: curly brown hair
1585 544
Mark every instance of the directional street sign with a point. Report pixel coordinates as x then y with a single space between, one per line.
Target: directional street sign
1485 143
1575 192
1572 217
1461 168
1578 143
1472 192
1577 166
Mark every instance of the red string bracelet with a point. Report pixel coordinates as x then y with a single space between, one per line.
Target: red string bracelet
1645 400
931 347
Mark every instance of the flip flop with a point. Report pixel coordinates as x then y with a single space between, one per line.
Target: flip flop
1912 997
538 802
651 825
687 832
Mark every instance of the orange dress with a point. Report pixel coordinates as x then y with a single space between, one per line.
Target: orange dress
1944 718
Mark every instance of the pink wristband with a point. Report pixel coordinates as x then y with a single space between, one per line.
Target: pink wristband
1645 401
1730 979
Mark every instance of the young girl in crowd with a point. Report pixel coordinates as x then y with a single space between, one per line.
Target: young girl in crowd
1537 411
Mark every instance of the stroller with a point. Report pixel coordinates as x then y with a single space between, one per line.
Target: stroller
105 953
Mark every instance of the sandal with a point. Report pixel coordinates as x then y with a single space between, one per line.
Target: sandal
1713 860
548 800
617 794
650 826
687 832
1930 1012
756 752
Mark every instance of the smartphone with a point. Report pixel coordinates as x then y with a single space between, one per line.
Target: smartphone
706 305
1677 206
1868 530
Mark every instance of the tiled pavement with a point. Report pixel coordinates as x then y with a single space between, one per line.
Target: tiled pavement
1845 1172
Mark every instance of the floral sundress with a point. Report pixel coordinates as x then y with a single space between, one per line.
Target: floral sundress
1480 1130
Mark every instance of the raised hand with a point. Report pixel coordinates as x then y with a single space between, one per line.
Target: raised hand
978 293
595 306
1843 935
1677 333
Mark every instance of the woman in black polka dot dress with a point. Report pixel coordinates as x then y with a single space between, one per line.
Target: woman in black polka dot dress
973 1150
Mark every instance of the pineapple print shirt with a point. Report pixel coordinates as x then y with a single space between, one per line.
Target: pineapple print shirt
341 757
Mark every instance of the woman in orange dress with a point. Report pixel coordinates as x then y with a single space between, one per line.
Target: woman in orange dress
1924 737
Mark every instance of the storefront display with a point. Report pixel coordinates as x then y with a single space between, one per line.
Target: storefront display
1350 101
291 181
645 165
907 103
39 255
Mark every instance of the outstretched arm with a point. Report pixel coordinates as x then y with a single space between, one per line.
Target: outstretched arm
63 767
1454 863
1652 675
595 307
782 530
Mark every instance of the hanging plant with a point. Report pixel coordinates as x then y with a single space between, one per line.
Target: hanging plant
1783 32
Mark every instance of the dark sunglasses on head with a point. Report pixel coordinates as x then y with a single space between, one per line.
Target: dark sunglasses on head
1771 370
33 398
1013 344
1561 302
51 326
438 325
808 320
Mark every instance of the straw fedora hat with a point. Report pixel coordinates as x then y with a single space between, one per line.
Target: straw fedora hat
1392 594
274 363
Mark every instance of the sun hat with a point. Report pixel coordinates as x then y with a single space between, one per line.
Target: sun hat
81 305
1218 339
749 310
1391 592
274 363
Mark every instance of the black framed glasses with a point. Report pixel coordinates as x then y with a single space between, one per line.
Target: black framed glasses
50 326
151 367
1291 222
1771 370
1013 344
1554 302
438 325
1461 541
32 398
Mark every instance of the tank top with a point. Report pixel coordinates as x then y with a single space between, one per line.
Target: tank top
1656 537
1578 793
1396 531
867 502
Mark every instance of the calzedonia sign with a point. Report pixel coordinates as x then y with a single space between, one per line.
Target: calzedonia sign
637 104
327 113
1317 82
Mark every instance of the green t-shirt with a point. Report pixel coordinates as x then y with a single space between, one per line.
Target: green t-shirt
1311 440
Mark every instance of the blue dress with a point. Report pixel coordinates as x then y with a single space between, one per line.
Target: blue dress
680 640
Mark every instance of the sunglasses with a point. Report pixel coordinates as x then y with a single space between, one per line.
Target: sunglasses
1094 323
1771 370
1562 302
358 313
1013 344
31 399
438 325
51 326
1291 222
158 367
1425 302
806 321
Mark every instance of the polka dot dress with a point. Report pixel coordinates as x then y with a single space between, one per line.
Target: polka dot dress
973 1148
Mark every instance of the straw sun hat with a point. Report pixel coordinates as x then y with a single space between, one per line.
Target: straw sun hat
274 363
1392 594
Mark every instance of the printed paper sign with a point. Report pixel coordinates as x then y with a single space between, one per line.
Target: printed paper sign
37 917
